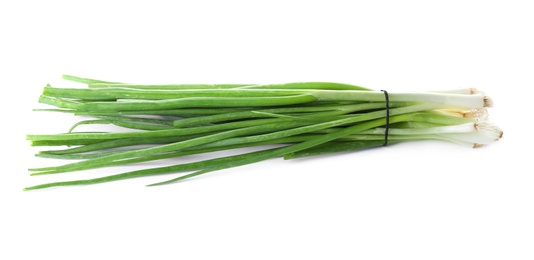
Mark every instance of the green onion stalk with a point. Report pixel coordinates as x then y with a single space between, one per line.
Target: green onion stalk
298 119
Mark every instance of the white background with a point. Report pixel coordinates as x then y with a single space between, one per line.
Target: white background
428 200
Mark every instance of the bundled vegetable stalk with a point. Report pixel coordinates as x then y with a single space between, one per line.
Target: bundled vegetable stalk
302 119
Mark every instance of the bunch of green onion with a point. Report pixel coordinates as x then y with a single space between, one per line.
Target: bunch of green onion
301 119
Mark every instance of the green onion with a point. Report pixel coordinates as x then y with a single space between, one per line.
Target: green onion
301 119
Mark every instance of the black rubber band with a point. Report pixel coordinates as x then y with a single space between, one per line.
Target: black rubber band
387 118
